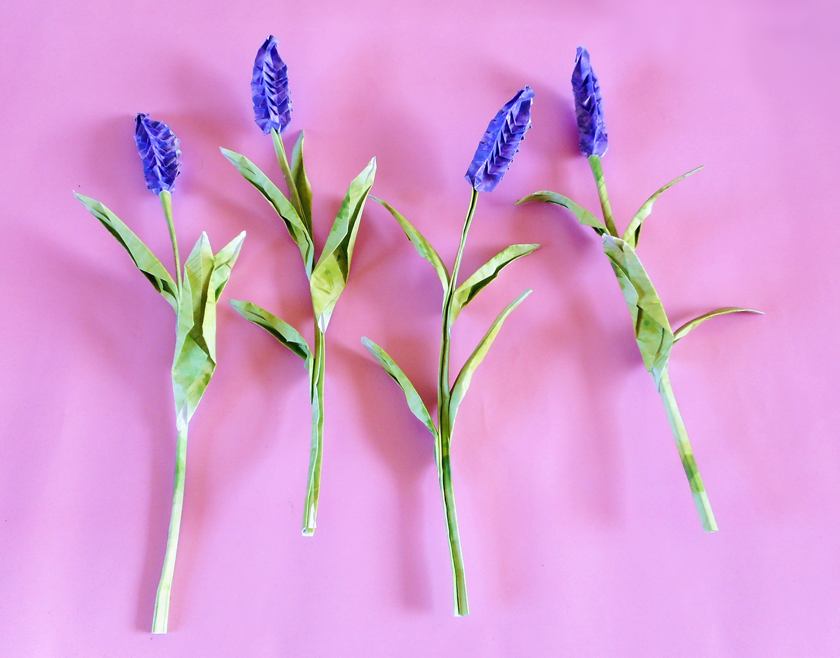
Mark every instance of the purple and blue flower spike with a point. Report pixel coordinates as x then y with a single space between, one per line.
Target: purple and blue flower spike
501 142
270 89
589 107
160 152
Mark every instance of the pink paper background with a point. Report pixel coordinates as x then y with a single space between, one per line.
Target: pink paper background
578 528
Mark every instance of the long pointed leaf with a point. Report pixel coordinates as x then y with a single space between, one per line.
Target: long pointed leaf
700 319
329 277
304 189
462 382
583 215
421 244
223 263
285 333
195 349
479 279
650 322
634 228
291 219
412 397
143 258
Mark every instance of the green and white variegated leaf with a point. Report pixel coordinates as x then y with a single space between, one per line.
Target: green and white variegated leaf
583 215
653 331
285 333
301 180
479 279
148 264
412 397
223 263
195 347
464 378
284 208
700 319
421 244
634 228
329 277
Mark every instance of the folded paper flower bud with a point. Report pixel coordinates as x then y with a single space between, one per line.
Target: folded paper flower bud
589 107
160 152
270 89
501 142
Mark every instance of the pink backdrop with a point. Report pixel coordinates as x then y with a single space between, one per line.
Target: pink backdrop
578 528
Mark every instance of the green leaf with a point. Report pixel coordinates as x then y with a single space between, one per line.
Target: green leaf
634 228
412 397
421 244
195 347
477 281
294 224
700 319
304 189
223 263
584 216
285 333
329 277
143 258
650 323
462 382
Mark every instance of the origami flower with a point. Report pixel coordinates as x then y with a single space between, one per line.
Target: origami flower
491 161
589 107
270 89
193 294
501 142
655 336
160 152
328 273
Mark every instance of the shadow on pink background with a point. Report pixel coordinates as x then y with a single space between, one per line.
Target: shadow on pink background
578 528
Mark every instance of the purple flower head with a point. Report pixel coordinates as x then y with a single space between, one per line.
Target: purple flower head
270 89
501 142
589 107
160 152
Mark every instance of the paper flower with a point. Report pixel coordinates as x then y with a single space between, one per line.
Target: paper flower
193 297
501 142
492 160
589 108
328 275
654 335
159 151
270 89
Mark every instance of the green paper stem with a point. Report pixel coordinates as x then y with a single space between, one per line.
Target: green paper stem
316 399
442 440
692 471
160 620
166 202
600 181
283 161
